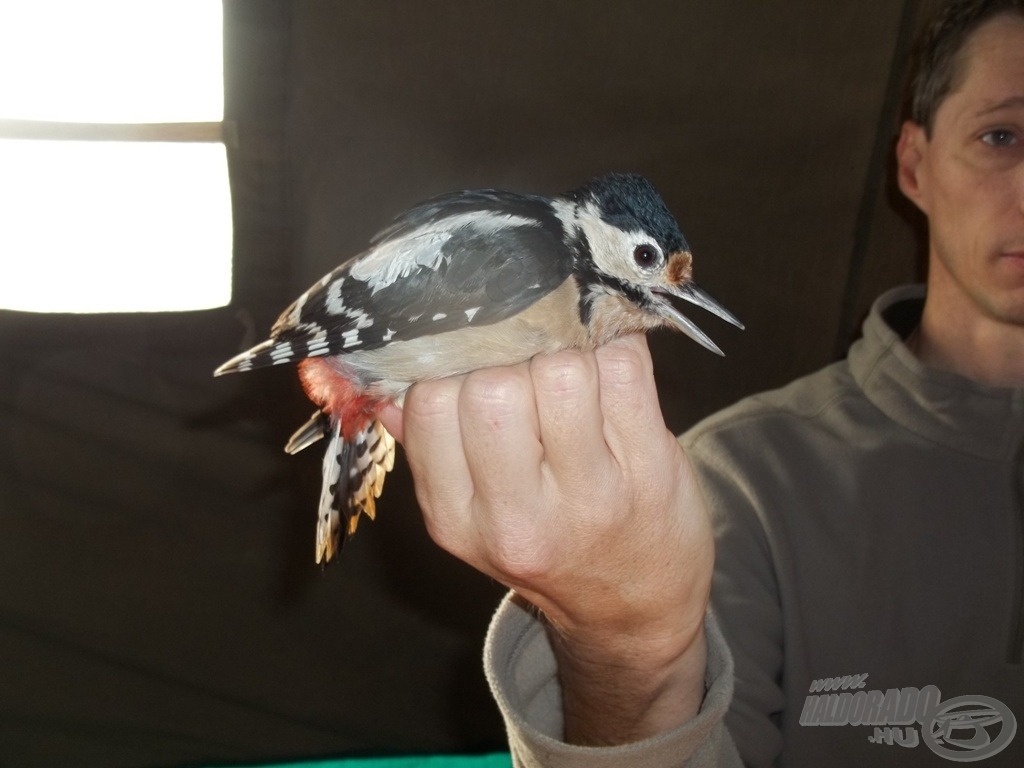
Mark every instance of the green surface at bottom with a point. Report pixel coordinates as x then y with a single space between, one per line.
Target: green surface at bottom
501 760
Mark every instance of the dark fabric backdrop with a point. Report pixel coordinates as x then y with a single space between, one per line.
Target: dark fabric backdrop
158 600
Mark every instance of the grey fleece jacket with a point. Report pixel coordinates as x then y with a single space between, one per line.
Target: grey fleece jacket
869 544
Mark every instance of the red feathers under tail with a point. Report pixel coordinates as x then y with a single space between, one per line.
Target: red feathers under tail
360 452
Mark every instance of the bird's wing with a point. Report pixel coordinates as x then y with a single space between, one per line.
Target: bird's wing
465 259
433 212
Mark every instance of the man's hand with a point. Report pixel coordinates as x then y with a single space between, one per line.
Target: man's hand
558 478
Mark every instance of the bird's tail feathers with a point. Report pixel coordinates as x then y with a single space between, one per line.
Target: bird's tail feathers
314 429
269 352
353 478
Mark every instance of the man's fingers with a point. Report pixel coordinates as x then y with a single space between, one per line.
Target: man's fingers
633 423
498 421
391 417
571 422
436 456
513 463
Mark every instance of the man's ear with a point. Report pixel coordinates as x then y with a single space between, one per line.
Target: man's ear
909 154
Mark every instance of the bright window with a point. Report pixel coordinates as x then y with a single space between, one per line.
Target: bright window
124 206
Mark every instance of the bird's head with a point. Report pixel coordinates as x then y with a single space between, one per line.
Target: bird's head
637 252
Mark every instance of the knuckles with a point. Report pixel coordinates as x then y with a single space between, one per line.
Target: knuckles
495 394
625 363
432 400
567 374
519 556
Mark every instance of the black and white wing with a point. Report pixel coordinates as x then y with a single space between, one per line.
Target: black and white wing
470 258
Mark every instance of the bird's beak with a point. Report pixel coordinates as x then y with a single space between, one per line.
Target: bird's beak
695 295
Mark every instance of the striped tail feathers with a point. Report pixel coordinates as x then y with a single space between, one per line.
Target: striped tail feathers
334 505
316 428
300 342
353 478
269 352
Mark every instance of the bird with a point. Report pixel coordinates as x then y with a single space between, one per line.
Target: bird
463 281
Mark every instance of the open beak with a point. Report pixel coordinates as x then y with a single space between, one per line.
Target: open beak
692 293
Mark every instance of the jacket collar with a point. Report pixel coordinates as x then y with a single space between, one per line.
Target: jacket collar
943 407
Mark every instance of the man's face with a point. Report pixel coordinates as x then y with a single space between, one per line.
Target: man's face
969 179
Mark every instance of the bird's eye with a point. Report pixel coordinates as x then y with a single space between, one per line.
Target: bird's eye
646 256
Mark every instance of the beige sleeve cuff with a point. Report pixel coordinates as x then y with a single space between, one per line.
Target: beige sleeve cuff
523 675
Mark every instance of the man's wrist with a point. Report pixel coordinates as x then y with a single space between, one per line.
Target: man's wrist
616 691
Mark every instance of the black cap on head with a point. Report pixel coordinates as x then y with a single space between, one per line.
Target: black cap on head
629 201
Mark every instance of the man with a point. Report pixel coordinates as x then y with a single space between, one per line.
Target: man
869 518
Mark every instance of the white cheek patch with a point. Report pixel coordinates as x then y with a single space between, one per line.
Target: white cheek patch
612 248
395 259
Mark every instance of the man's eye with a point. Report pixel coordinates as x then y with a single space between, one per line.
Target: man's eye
1000 137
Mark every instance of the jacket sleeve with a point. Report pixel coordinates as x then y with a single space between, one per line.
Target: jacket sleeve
744 595
523 675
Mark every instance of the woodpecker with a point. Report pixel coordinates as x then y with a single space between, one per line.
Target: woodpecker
469 280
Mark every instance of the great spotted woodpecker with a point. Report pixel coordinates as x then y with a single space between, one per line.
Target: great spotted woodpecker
465 281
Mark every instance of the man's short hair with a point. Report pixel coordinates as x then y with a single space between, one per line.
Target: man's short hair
939 60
